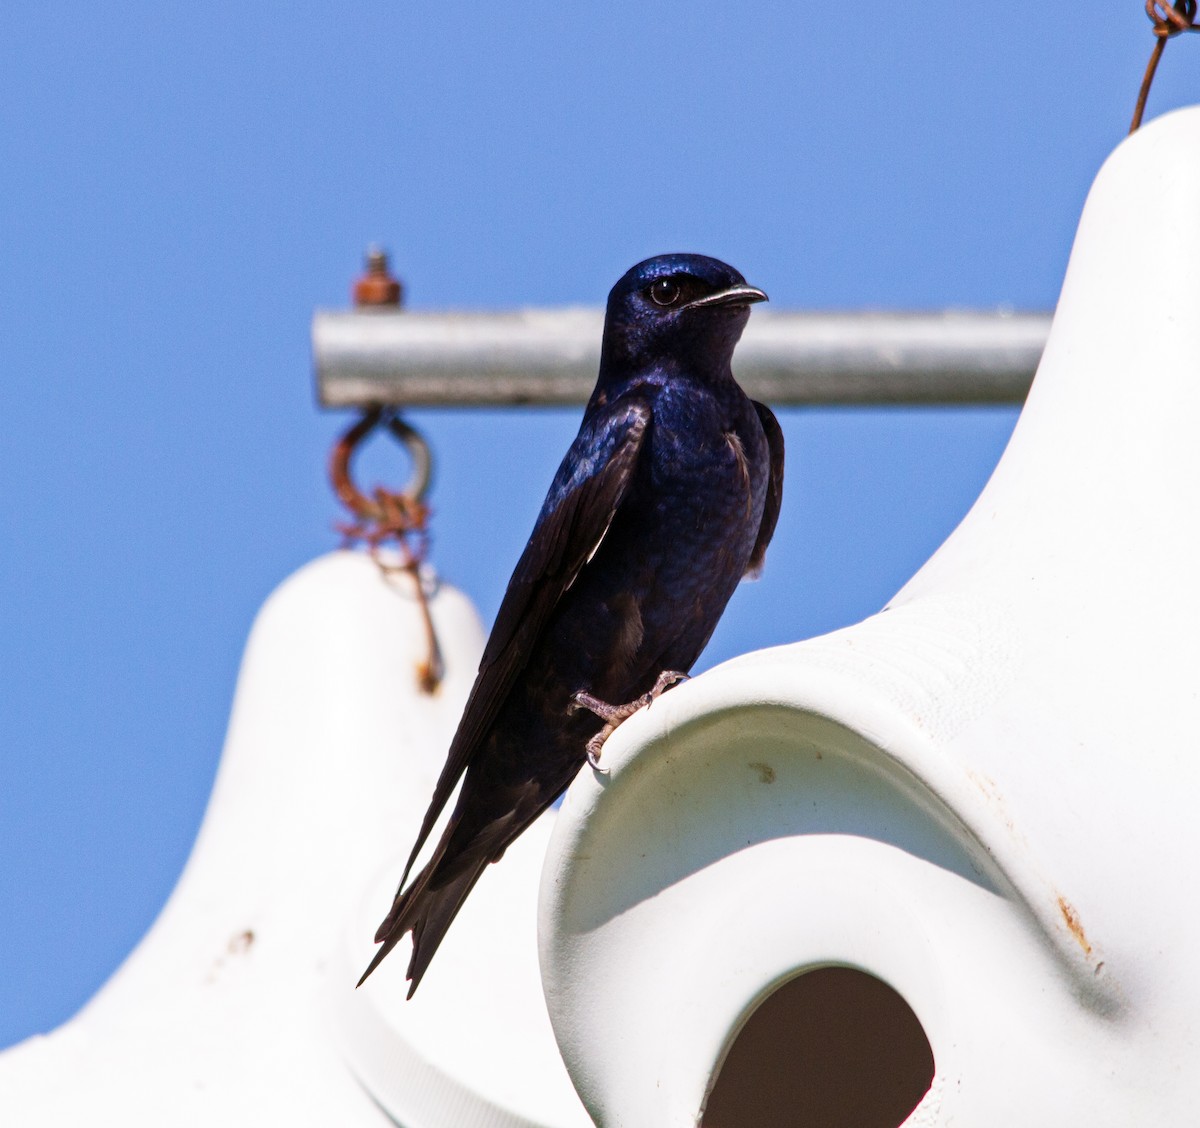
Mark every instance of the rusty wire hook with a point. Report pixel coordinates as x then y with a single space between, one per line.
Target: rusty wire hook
399 517
1169 20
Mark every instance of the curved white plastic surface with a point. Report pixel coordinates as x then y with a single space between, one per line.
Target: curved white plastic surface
473 1048
983 795
238 1007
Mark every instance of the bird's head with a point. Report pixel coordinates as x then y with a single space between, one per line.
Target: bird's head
680 309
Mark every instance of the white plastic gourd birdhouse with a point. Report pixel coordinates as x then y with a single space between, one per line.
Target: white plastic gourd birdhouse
936 868
238 1007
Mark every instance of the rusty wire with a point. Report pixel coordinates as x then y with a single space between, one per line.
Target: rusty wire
1169 21
399 519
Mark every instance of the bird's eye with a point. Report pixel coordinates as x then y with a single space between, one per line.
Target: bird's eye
665 292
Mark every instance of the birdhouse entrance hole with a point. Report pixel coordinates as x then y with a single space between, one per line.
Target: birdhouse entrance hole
836 1048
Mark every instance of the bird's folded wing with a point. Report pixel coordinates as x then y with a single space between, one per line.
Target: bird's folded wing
585 496
770 517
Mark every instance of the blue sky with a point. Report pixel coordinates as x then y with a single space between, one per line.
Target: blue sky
182 185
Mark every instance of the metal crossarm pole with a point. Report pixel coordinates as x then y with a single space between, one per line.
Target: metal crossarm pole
550 356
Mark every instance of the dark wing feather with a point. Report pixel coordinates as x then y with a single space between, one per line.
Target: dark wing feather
586 492
770 517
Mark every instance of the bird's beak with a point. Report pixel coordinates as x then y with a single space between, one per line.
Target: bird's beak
735 295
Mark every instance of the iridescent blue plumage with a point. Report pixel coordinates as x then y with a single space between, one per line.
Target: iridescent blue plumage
667 497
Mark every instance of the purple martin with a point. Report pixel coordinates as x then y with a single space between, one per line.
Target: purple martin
667 497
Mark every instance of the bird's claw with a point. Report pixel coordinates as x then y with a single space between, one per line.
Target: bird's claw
594 747
667 679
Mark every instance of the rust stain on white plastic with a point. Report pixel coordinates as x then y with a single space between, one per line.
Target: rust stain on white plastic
1071 919
766 773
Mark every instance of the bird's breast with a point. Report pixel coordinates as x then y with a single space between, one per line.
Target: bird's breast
712 469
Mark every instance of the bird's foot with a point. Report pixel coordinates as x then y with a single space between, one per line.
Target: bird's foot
613 715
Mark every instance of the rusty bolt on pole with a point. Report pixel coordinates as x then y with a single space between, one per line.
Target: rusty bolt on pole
376 286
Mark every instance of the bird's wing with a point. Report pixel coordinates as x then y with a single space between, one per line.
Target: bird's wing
590 484
766 528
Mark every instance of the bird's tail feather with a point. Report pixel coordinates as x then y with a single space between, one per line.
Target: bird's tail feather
427 913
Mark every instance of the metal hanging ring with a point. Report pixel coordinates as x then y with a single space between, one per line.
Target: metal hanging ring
343 453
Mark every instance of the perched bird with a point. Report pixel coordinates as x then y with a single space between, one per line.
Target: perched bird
667 497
